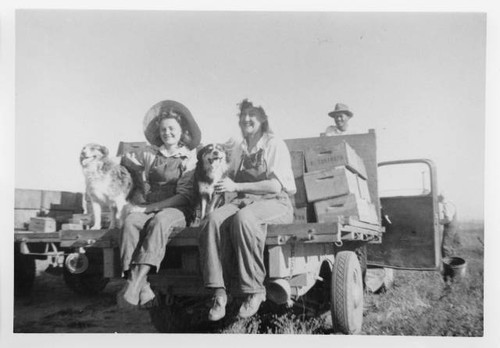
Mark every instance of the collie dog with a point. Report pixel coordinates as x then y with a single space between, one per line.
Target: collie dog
212 166
107 184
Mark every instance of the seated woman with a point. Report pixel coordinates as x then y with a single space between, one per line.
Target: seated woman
232 238
169 172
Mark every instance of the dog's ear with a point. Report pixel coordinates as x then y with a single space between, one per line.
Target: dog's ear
200 152
104 150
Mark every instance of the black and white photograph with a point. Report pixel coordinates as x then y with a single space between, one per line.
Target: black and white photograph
315 172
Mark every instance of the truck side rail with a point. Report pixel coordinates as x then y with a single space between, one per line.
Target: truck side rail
345 229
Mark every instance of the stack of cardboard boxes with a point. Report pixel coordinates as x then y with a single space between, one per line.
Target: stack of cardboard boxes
334 182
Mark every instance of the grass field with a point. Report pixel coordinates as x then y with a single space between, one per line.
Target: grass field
419 303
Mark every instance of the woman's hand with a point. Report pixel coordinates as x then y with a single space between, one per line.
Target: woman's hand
226 185
134 209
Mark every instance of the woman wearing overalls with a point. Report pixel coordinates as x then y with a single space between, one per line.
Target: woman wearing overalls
169 172
232 238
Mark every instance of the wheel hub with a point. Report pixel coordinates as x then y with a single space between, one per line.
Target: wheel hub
77 263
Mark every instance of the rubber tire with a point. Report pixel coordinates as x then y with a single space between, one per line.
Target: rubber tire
347 294
92 281
24 272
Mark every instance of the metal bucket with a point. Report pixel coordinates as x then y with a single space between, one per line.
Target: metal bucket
454 268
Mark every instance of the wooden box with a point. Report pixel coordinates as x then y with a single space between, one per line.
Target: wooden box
62 200
27 199
22 218
88 219
137 147
82 219
298 164
300 197
71 226
330 183
300 215
322 157
349 205
42 224
364 192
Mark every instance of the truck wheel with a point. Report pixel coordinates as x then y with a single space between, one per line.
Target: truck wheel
347 294
24 272
92 280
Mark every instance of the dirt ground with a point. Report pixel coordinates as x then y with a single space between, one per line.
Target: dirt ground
53 308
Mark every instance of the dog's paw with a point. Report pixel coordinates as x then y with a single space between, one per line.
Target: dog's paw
95 227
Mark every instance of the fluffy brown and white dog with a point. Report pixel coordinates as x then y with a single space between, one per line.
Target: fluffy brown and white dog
107 184
212 166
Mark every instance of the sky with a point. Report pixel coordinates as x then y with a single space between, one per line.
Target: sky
86 76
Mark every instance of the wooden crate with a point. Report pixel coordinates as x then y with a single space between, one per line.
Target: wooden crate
83 219
132 147
350 205
88 219
300 215
330 183
364 192
328 157
298 164
22 218
300 197
27 199
71 226
62 200
365 145
42 224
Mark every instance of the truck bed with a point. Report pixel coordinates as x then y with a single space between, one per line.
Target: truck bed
345 229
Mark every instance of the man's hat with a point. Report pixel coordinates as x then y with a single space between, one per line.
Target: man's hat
341 109
151 127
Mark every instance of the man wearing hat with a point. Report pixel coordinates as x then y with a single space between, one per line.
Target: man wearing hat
341 115
450 240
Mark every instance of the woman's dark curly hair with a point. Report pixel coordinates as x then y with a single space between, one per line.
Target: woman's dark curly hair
247 104
171 114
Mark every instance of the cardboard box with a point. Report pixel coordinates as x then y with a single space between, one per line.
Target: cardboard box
342 154
298 164
349 205
330 183
42 224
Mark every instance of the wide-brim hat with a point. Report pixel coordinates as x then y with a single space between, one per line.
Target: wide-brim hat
151 127
341 109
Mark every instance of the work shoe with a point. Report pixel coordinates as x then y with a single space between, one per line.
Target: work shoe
251 305
218 310
126 302
146 296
